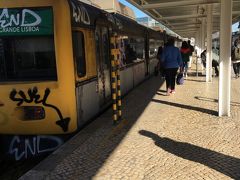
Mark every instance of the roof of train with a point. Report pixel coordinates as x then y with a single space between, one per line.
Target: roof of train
90 15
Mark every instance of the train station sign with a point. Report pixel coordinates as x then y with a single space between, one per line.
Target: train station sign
26 21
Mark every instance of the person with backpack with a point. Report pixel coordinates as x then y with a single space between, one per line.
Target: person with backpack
236 57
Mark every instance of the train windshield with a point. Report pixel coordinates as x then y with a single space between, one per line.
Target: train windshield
27 50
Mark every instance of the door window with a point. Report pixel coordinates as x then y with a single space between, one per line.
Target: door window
79 53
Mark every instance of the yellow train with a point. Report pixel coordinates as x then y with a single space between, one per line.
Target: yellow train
55 69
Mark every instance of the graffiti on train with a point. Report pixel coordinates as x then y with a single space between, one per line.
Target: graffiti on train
80 14
34 96
23 148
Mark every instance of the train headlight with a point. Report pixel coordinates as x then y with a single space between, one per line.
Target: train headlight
28 113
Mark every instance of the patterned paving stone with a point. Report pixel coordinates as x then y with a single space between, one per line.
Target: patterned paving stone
163 138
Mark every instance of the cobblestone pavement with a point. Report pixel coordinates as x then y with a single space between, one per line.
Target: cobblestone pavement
163 137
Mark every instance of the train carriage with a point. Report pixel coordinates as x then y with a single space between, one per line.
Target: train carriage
55 69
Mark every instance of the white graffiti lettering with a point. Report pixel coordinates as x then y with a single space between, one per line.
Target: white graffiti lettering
32 149
38 19
13 150
55 139
80 14
18 19
26 147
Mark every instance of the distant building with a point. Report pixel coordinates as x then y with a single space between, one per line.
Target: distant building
150 22
114 6
146 21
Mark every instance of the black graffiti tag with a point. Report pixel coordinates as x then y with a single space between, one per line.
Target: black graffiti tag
33 96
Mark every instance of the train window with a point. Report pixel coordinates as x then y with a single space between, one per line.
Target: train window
79 53
105 47
27 58
153 47
132 49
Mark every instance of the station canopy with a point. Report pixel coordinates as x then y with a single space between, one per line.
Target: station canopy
184 17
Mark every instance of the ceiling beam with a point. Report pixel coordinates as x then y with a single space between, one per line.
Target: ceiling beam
185 27
193 16
185 23
176 25
183 17
178 3
187 31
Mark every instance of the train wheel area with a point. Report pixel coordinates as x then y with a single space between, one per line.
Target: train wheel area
163 137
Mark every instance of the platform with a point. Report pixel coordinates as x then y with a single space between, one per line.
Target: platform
163 137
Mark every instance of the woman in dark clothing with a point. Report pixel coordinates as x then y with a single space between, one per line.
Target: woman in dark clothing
215 64
185 53
171 60
236 57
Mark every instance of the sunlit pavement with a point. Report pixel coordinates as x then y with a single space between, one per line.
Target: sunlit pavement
162 137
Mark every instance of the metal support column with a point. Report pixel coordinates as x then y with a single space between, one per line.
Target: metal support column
225 57
209 44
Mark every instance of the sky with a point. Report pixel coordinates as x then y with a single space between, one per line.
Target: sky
139 13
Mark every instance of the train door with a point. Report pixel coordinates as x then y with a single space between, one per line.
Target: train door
85 74
103 65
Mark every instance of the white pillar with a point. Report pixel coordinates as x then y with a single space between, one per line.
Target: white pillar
209 44
196 42
203 29
200 41
225 57
199 49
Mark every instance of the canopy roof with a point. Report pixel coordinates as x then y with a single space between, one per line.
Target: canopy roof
184 16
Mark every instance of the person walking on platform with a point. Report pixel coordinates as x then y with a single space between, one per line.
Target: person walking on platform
215 64
185 53
171 60
159 65
236 57
192 50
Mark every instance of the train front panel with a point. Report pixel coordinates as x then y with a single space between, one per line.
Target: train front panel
37 80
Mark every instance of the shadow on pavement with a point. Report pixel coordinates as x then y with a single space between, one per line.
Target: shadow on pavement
207 111
214 100
160 90
195 74
92 147
194 80
224 164
161 94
